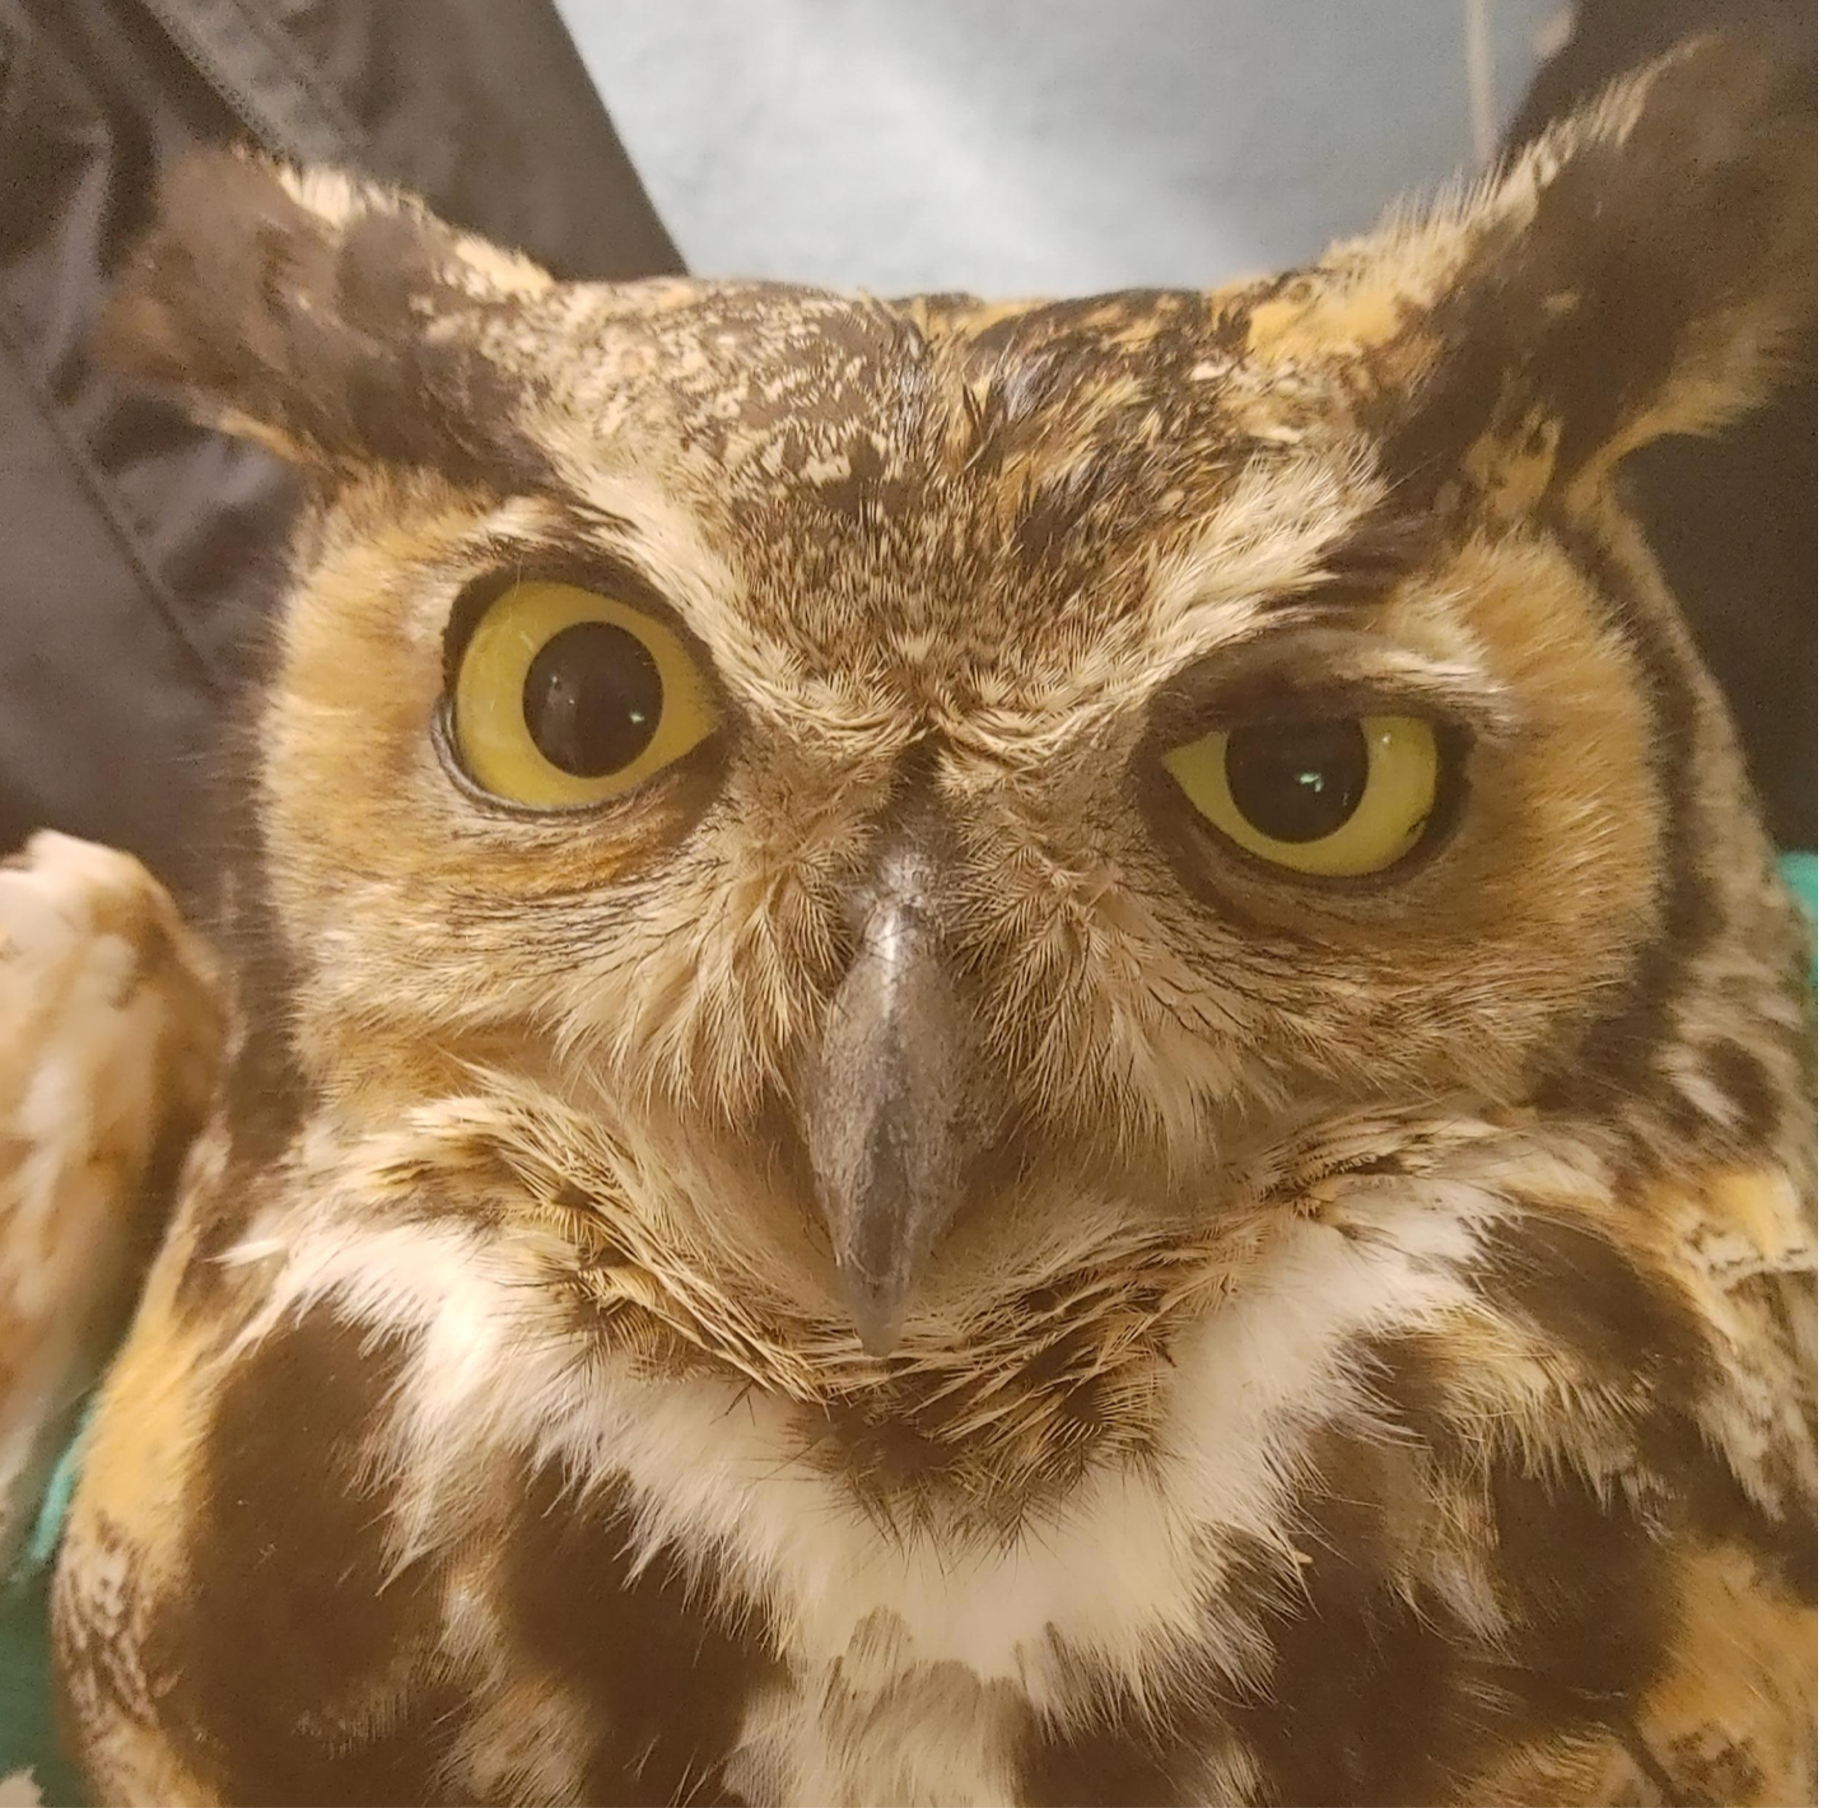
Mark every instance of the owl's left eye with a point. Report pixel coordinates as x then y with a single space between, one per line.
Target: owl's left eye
567 697
1328 796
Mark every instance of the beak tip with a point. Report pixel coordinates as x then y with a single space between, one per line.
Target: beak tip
878 1341
877 1312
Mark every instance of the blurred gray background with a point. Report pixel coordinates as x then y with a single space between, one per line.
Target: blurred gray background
1008 146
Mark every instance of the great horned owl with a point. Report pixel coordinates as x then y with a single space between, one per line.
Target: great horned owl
984 1053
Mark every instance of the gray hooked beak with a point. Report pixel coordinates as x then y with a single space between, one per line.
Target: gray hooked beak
888 1109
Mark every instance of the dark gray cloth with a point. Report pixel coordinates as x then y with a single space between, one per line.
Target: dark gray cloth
139 551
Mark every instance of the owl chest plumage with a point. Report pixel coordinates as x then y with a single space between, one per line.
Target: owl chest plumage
414 1534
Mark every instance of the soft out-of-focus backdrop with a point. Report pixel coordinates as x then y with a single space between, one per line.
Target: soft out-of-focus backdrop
1026 146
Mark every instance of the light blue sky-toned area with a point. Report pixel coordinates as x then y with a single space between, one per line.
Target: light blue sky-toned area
1012 146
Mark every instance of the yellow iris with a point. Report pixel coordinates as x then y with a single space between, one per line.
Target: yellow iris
1331 796
567 697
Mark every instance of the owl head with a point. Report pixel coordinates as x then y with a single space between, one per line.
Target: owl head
937 782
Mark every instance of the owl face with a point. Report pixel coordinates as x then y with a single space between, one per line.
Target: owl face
941 779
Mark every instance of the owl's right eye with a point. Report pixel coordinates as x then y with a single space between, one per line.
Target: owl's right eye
566 697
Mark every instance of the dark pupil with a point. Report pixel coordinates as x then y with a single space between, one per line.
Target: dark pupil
1298 781
593 698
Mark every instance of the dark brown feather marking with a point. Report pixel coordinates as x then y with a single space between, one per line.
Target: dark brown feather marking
1742 1077
1593 1300
272 1660
1102 1763
667 1672
1616 1059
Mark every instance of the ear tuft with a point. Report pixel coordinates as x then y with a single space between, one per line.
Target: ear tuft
1644 268
337 322
213 304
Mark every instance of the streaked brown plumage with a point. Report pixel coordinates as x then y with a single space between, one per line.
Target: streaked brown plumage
1326 1340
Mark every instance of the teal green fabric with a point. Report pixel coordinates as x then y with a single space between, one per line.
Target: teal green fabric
28 1736
1803 872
